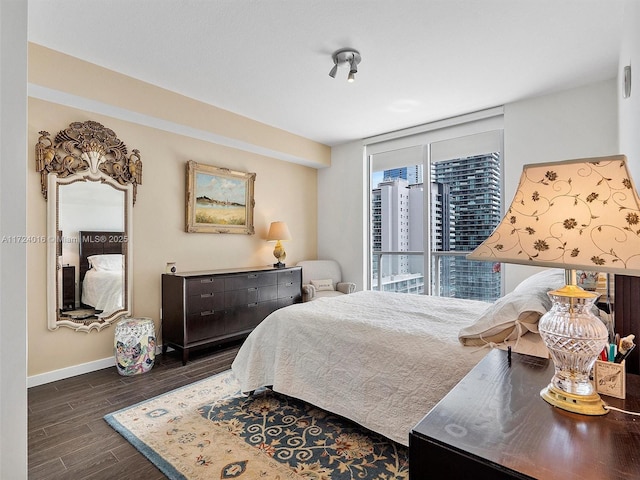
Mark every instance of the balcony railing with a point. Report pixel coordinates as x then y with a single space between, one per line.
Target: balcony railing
452 275
398 272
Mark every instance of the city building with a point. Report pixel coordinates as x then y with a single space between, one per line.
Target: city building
412 174
474 192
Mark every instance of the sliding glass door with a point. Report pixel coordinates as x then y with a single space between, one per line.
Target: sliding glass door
431 204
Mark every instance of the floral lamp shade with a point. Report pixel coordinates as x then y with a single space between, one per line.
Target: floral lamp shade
577 214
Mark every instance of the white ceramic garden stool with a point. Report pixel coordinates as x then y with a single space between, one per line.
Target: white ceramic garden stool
134 345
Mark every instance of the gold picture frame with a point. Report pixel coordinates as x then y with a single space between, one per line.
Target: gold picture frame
219 200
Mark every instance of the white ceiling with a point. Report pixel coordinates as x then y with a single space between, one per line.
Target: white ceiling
422 60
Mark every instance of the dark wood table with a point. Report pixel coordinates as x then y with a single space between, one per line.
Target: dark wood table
495 425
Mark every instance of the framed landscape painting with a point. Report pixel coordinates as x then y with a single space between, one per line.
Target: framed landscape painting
219 200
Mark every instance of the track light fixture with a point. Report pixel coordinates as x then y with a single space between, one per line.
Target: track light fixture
346 56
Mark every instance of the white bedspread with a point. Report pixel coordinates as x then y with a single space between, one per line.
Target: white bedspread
103 290
380 359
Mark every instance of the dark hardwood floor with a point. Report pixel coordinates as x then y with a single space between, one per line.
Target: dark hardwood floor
69 439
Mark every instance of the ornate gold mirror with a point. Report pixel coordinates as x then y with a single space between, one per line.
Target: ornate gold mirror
90 181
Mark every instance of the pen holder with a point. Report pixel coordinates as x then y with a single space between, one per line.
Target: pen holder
610 378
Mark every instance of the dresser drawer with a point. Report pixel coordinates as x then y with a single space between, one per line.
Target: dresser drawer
286 301
289 276
289 289
204 326
237 282
267 293
238 298
204 302
200 285
248 317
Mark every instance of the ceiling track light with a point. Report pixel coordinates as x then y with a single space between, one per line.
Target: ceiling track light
346 56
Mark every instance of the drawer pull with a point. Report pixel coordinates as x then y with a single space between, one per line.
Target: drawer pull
205 313
251 305
206 280
253 275
288 284
206 295
252 289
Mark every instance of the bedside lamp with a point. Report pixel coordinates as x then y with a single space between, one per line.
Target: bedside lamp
279 231
578 214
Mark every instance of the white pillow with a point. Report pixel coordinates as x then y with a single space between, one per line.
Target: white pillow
323 285
106 262
516 313
542 282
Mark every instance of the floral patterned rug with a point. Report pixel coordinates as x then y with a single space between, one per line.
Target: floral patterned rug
209 430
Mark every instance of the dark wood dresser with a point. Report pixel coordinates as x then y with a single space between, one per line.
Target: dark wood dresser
205 308
495 425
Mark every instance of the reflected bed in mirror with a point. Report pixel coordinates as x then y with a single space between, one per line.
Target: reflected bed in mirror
90 181
101 279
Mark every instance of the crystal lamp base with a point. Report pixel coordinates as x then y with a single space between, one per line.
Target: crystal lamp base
574 337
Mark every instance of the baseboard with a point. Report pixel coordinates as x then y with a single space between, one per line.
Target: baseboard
55 375
67 372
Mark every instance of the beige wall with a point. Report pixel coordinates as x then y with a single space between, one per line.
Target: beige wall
283 191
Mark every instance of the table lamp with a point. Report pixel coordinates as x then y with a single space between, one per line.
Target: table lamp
279 231
576 214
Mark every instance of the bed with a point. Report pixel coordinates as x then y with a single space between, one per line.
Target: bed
102 288
102 270
383 359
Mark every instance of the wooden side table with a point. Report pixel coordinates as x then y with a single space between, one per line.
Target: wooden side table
495 425
68 287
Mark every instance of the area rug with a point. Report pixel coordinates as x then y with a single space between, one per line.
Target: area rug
210 430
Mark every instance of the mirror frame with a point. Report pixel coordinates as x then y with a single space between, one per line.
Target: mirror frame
85 152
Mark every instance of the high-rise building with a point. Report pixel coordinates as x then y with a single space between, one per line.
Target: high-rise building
397 216
474 192
412 174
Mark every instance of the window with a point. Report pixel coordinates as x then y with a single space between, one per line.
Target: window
442 196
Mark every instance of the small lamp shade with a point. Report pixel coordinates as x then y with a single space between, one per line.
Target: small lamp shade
278 231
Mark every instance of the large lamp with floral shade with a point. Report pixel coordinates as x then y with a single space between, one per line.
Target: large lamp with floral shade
576 214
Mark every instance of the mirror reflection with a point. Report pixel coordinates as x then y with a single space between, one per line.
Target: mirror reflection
92 249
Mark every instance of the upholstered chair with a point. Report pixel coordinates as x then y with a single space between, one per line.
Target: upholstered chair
323 278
